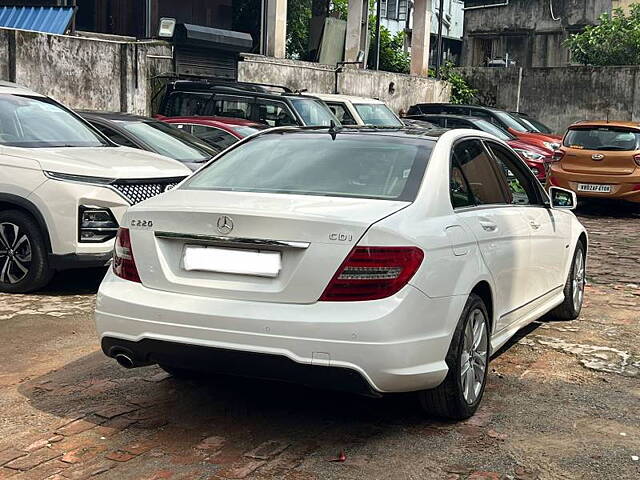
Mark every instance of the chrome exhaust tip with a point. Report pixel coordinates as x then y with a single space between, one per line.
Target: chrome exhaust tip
125 360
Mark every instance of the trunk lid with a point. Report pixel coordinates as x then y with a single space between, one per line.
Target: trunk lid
316 233
598 162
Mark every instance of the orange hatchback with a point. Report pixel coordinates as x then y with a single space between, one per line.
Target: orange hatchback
599 159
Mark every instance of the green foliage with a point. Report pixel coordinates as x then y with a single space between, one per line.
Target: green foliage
393 57
615 41
298 18
461 91
339 9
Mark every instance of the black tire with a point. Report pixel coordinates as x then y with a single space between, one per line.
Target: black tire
568 310
448 399
13 254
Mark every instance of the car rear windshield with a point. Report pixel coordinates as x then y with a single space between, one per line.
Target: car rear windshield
39 122
349 165
603 138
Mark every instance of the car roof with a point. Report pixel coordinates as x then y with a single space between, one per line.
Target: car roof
15 89
212 120
254 90
114 116
606 123
336 97
477 107
446 115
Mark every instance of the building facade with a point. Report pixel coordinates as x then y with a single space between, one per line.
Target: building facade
527 33
397 16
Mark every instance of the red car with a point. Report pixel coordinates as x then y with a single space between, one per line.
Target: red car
537 157
219 132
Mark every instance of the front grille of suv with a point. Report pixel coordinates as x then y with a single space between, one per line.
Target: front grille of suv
135 191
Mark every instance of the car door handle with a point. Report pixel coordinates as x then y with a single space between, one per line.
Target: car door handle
488 226
534 224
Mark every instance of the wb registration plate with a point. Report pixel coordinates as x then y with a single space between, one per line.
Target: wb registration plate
590 187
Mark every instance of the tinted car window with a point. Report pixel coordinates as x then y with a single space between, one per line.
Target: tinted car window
603 138
217 138
459 188
187 104
520 190
487 182
351 165
275 114
234 107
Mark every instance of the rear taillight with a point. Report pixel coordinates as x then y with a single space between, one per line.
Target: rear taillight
124 265
557 156
636 158
371 273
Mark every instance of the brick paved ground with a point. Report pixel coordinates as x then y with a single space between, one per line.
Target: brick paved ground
562 400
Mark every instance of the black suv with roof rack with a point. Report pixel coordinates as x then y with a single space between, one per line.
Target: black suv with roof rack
272 105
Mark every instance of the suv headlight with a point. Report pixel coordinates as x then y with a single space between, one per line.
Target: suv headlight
96 224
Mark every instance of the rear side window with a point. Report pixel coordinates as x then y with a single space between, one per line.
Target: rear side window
603 138
351 165
217 138
342 114
486 181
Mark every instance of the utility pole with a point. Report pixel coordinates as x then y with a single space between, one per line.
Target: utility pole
439 42
376 64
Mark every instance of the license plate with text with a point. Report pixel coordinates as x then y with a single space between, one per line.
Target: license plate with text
590 187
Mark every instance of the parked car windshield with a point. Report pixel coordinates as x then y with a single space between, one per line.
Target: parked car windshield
489 127
511 122
352 165
377 114
38 122
313 112
603 138
170 141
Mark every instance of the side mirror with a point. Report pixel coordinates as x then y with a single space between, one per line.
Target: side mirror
563 199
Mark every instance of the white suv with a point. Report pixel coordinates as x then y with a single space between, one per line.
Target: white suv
64 189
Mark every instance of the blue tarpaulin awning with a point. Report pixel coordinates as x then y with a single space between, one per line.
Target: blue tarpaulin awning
39 19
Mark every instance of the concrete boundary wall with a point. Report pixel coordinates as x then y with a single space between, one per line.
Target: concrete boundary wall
85 73
397 90
560 96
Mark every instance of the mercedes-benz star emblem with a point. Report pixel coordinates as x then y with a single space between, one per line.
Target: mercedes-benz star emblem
225 224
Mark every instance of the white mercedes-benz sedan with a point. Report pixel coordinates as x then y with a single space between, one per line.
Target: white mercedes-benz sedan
367 260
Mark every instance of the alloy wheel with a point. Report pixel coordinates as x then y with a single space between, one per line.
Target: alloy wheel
473 361
15 253
578 282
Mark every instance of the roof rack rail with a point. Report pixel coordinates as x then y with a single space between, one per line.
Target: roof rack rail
248 86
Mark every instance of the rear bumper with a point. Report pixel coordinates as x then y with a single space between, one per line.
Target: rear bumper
237 362
72 260
397 344
623 187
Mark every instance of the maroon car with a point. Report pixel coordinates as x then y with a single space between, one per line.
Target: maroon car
219 132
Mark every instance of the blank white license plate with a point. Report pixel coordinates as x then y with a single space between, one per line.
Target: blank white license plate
259 263
590 187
